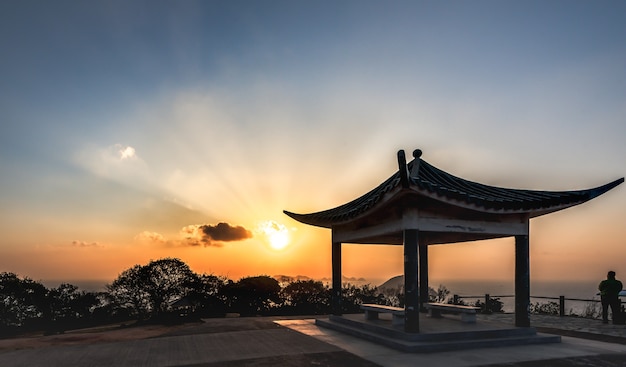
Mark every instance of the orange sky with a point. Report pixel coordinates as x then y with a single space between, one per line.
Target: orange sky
576 244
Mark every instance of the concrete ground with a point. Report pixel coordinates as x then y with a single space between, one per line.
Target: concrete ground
276 341
581 350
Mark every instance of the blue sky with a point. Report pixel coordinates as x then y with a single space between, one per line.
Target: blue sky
119 118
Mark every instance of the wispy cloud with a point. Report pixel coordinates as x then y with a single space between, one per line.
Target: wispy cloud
86 244
150 237
118 162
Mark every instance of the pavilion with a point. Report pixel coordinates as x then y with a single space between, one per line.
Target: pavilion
421 205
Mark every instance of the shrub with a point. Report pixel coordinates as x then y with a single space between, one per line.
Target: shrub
592 310
305 297
494 305
550 308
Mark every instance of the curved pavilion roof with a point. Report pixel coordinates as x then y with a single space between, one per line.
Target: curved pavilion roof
425 180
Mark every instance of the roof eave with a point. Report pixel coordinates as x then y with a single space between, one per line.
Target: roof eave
317 219
307 219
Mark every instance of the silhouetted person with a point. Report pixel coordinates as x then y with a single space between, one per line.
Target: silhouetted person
609 294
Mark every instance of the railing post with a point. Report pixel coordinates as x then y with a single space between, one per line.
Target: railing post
561 306
487 298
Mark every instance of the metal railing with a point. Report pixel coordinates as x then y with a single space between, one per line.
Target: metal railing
487 297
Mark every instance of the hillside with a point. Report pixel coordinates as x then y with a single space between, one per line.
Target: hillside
393 284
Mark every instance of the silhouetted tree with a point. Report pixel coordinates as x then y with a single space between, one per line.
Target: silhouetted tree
148 289
22 302
306 297
354 296
62 302
128 295
107 310
69 307
167 280
206 295
252 295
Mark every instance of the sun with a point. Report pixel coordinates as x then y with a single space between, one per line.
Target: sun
276 234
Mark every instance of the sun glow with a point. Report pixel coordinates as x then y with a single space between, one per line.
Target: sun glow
276 234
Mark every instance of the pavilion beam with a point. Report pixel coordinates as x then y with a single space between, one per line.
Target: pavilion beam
336 274
459 230
522 281
423 275
411 289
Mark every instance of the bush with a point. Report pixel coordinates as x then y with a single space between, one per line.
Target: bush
494 305
439 296
592 310
24 303
354 296
306 298
550 308
253 296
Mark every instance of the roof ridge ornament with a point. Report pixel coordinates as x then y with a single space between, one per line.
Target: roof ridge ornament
417 153
403 169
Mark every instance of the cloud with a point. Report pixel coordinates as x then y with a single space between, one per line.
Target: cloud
150 237
118 152
85 244
213 235
118 162
226 232
197 235
126 152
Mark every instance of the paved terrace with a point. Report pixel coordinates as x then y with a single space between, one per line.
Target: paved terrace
283 341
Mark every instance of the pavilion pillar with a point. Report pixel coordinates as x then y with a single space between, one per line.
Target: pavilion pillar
522 281
411 290
423 275
336 275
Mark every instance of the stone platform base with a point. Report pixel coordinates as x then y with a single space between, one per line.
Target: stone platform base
436 334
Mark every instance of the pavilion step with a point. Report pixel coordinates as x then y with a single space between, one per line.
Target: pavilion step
397 333
428 344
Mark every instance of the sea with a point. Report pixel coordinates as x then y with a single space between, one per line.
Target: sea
579 295
91 285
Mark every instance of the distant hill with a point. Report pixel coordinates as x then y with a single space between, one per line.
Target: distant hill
281 278
290 279
392 284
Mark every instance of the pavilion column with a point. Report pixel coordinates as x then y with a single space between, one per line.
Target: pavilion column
522 281
411 290
336 286
423 275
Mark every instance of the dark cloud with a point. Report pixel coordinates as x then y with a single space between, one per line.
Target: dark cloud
225 232
213 235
